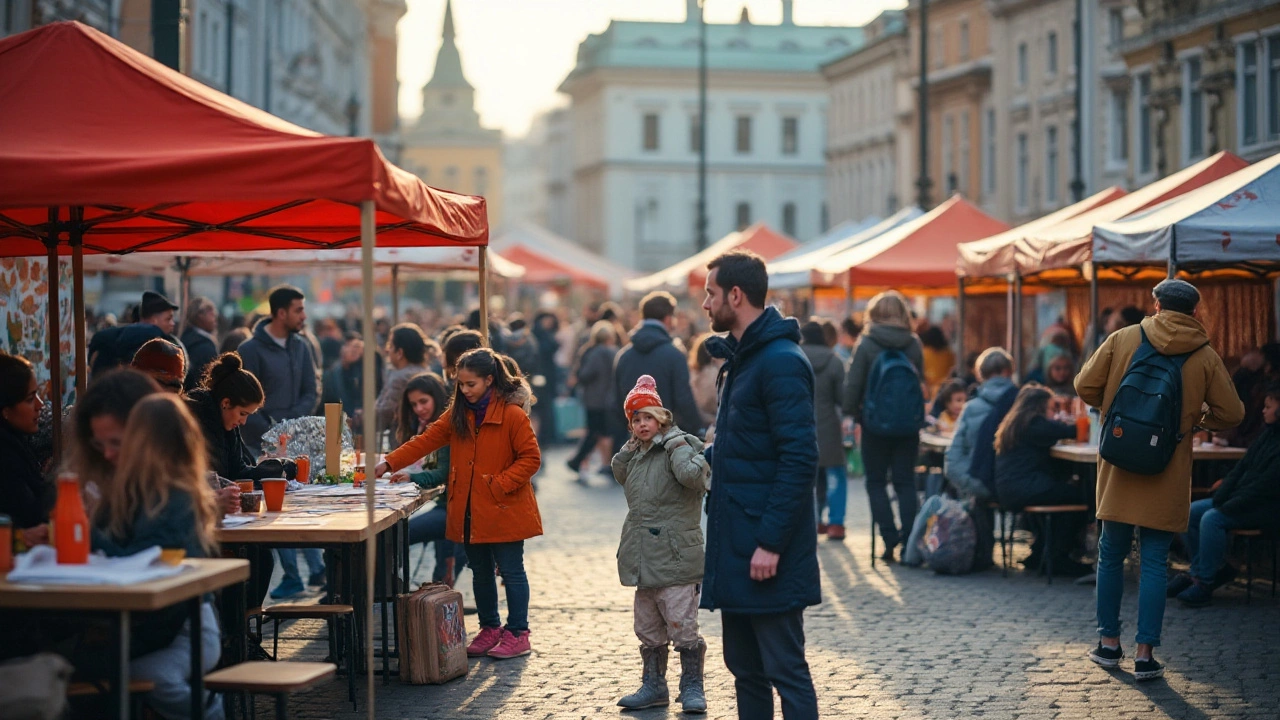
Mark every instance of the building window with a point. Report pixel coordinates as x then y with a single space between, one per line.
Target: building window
1144 124
1051 165
1021 171
695 133
650 131
948 147
989 153
1249 93
742 215
1192 109
451 178
938 51
964 40
1273 87
824 219
1051 54
789 219
1118 136
1115 26
963 185
790 136
742 134
1022 65
481 181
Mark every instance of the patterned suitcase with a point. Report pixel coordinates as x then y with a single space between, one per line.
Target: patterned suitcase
433 638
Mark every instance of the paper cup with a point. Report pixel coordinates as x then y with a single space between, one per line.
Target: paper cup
246 486
273 491
172 556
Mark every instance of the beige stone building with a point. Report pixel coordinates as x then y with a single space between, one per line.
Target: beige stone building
866 87
447 147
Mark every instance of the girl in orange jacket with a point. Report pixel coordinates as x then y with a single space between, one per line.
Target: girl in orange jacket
491 509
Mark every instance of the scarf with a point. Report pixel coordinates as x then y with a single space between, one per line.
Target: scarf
480 407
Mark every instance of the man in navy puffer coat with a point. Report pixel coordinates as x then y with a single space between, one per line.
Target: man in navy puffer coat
761 559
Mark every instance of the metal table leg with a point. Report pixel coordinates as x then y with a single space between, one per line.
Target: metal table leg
195 622
118 697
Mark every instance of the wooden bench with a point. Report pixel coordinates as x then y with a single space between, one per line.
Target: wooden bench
339 617
1249 536
279 679
137 688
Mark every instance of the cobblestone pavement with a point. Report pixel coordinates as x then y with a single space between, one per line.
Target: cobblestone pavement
889 642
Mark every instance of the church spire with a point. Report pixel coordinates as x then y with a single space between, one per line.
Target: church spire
448 21
448 71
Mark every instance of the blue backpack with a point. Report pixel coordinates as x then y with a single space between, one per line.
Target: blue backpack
1142 429
894 403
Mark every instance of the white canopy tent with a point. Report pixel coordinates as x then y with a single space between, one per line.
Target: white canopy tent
793 270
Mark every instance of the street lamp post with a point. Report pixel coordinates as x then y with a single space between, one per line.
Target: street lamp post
702 126
923 182
1077 180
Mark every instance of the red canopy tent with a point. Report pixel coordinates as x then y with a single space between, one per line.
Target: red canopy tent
107 150
551 260
690 274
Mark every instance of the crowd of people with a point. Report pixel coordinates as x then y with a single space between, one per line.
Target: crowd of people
764 413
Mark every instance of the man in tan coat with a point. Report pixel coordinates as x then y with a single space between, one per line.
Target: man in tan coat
1157 505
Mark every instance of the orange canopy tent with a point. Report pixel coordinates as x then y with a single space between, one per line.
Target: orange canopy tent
549 259
690 274
107 150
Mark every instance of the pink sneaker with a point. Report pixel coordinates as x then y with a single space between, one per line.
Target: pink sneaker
486 640
512 645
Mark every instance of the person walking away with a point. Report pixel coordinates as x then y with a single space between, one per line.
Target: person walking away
281 361
158 496
1249 497
1026 475
595 385
762 564
1172 347
653 352
831 487
491 506
665 477
883 393
200 339
425 399
407 353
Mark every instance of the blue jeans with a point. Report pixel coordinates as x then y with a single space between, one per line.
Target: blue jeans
1206 539
289 562
837 493
509 559
429 527
1113 548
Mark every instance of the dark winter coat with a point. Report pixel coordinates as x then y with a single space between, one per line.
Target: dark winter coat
828 391
201 351
1250 494
595 378
228 455
133 337
874 341
1025 472
992 396
288 377
763 464
25 495
345 384
652 352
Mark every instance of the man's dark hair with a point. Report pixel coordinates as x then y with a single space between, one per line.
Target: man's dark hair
459 344
1131 315
658 305
744 270
851 327
410 340
610 311
1273 391
282 297
811 334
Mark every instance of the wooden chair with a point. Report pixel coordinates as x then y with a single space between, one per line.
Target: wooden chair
1049 512
278 679
137 690
342 627
1249 536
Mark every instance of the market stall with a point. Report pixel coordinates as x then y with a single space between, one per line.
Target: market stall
551 261
689 276
792 269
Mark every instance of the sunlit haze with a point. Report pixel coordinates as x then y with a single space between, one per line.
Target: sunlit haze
516 52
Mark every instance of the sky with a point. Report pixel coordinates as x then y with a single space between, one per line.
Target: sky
516 52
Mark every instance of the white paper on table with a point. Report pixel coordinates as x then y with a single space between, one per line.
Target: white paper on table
296 521
230 521
40 566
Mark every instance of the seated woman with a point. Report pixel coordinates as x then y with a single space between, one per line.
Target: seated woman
158 496
425 399
26 496
1026 475
1249 498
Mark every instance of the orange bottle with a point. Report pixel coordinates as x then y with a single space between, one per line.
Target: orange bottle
71 522
1082 428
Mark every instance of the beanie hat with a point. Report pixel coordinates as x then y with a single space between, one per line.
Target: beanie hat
1177 295
163 361
643 395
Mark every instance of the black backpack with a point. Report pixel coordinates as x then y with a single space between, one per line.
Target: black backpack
1141 431
894 403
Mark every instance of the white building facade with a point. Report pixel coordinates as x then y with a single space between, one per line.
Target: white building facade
862 153
634 129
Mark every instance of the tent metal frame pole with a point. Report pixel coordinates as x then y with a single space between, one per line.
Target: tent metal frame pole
54 335
1091 344
367 241
395 294
484 294
1017 328
1008 313
960 318
1173 251
77 286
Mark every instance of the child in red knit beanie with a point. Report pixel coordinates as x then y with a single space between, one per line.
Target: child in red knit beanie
665 478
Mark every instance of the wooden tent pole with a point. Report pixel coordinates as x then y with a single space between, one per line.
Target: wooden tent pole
77 283
1091 343
1017 329
367 240
395 294
960 318
54 333
484 294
